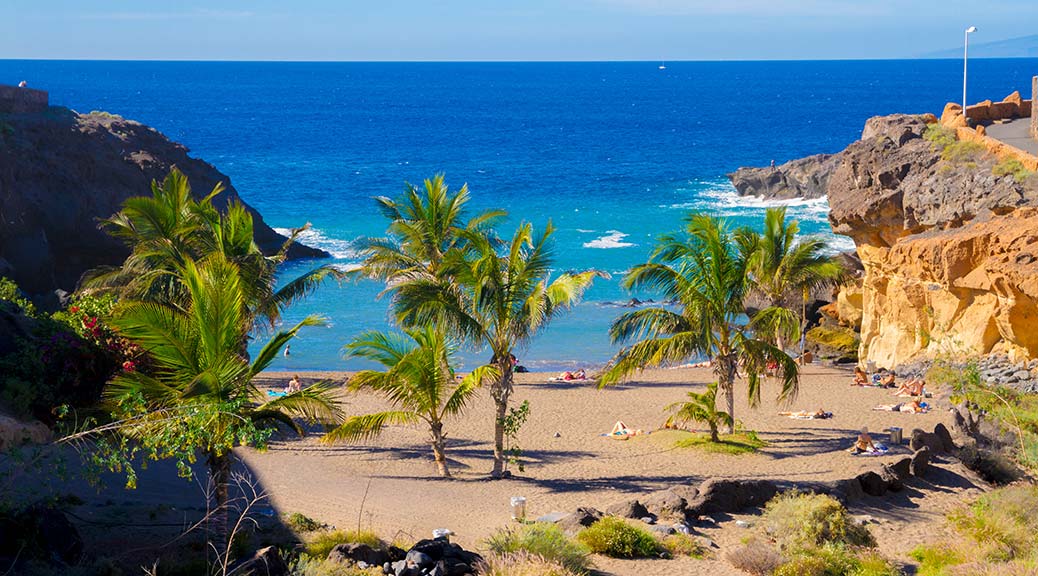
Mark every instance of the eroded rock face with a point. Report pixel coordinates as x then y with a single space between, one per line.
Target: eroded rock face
950 251
61 171
802 178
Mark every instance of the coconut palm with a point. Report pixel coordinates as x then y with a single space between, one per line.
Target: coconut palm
785 268
199 395
418 379
700 407
704 270
505 296
170 227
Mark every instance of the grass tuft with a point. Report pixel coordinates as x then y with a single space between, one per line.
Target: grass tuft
545 541
521 564
802 521
322 542
733 444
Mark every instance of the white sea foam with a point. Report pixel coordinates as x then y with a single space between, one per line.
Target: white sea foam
337 247
613 239
837 243
583 231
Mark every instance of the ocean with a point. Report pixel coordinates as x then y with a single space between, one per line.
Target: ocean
613 153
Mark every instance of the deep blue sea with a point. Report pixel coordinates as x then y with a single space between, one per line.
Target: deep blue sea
612 153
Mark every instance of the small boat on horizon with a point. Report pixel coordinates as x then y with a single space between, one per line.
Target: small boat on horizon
663 65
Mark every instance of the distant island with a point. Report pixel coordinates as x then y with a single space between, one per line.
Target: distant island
1022 47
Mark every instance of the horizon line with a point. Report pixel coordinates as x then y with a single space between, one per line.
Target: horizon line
506 61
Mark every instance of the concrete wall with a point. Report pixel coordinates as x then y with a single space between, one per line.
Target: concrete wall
987 111
21 100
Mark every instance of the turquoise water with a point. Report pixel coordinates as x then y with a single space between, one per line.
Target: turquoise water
612 153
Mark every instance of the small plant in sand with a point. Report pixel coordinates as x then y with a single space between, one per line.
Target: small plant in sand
418 379
700 407
797 520
512 424
322 542
679 544
522 564
756 557
618 538
301 523
545 541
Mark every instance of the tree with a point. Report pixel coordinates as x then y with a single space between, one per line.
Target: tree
506 297
704 270
700 407
418 380
170 227
784 268
200 396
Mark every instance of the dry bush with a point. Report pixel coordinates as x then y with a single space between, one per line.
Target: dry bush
520 564
755 557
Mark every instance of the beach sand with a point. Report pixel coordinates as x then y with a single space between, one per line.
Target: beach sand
390 484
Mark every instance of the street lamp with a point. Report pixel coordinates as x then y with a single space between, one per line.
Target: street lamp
965 59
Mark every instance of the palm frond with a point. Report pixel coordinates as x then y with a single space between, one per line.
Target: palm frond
368 426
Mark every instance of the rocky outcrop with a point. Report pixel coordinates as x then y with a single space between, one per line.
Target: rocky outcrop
61 171
950 250
802 178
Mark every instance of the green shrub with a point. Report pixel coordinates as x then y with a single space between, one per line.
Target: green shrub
934 559
301 523
837 560
618 538
546 541
940 136
322 542
521 564
962 152
9 292
1012 166
683 545
803 521
836 341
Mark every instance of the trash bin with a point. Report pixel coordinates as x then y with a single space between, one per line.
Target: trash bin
518 508
895 435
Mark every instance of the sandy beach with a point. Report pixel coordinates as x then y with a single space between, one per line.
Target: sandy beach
390 484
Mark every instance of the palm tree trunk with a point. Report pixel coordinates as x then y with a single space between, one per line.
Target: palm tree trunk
727 380
219 478
501 392
713 432
439 451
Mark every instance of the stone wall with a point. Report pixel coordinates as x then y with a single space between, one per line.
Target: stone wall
1034 108
1011 108
15 100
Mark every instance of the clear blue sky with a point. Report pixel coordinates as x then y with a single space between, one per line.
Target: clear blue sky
501 29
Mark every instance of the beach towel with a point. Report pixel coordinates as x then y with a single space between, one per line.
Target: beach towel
276 393
879 450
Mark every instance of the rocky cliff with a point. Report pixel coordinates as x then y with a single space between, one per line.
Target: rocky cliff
801 178
61 171
949 249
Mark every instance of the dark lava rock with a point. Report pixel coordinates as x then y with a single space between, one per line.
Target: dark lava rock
725 495
265 562
579 519
920 462
355 552
666 504
627 509
802 178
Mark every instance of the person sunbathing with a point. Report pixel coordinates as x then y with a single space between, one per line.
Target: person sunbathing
887 381
578 375
860 377
864 443
808 415
620 430
911 387
294 385
914 407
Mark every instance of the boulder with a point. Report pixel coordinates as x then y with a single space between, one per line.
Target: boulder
627 509
803 178
942 433
355 552
265 562
872 483
902 469
920 464
666 504
686 491
579 519
922 438
722 495
892 477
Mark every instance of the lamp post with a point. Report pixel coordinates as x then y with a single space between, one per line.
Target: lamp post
965 59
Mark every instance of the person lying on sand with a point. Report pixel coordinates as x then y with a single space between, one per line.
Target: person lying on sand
703 364
912 387
913 407
807 415
860 377
568 376
622 432
864 443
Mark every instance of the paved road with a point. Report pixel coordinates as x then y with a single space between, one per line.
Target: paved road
1014 133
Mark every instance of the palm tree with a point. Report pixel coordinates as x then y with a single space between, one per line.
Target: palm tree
418 380
199 395
783 267
701 407
505 299
705 271
169 227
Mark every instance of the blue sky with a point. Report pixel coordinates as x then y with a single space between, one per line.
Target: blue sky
501 29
